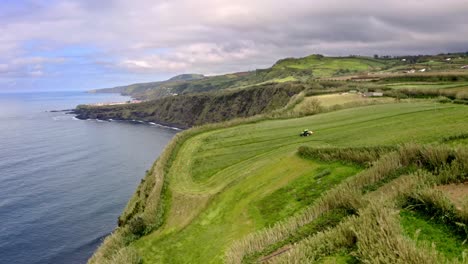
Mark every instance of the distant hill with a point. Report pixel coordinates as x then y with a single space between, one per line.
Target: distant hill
187 77
150 89
313 67
290 69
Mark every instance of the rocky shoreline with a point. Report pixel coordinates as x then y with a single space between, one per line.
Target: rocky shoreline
84 116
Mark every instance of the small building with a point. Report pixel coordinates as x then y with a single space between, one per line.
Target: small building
448 59
422 70
465 67
372 94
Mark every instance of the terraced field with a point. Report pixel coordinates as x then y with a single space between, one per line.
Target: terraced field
227 183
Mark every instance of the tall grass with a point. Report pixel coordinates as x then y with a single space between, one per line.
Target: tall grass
349 195
359 155
443 95
376 236
380 239
322 244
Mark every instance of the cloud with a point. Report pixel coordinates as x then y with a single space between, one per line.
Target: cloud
216 36
27 66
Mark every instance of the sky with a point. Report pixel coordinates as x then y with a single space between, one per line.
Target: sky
88 44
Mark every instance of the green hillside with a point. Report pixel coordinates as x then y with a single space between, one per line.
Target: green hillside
217 185
310 68
321 66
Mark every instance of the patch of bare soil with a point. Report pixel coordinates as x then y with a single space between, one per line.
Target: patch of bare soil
458 193
279 251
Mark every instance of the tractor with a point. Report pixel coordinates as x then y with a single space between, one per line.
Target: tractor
306 133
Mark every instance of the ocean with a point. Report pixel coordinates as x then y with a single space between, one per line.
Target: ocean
63 181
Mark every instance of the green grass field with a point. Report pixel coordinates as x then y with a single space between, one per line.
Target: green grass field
330 66
227 183
428 85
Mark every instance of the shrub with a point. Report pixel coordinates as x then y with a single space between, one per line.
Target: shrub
308 107
443 100
137 226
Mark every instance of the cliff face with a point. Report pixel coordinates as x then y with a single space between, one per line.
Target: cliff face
189 110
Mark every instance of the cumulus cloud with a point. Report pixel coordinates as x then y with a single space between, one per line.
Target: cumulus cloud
216 36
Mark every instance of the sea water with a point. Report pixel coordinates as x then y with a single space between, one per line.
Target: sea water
63 181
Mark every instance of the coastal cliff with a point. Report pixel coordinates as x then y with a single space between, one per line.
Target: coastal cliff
184 111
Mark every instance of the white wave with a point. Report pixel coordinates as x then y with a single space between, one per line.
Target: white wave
163 126
61 118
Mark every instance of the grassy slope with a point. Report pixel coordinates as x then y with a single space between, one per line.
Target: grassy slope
220 179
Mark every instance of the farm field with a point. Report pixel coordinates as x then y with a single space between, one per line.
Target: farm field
351 99
329 66
227 183
428 85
